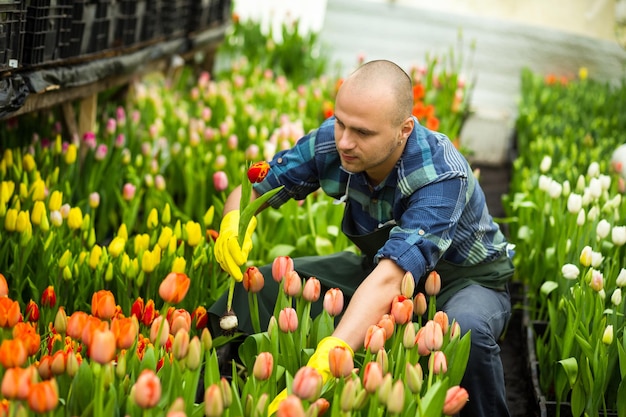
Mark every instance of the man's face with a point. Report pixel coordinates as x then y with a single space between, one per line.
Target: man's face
365 134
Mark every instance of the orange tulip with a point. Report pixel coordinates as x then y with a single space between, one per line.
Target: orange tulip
180 320
102 347
76 324
291 407
125 330
307 383
263 366
419 304
58 362
288 320
17 381
174 287
402 309
387 322
147 390
159 331
281 266
333 301
340 361
292 284
312 290
253 280
375 338
442 318
44 367
372 377
438 362
4 287
43 396
10 312
103 304
432 337
12 353
91 325
48 297
27 333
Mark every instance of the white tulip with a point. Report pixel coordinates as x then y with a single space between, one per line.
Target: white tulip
603 229
618 235
616 298
570 271
593 170
545 164
574 203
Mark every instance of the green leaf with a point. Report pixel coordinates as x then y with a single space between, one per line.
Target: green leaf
548 286
81 393
149 360
570 366
280 250
579 398
457 353
432 402
622 360
323 246
621 399
246 214
252 346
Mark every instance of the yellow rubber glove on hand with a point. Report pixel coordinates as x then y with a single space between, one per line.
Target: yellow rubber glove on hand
319 360
227 251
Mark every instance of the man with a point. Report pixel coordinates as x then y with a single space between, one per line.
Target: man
412 204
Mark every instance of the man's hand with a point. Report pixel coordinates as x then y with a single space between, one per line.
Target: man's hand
228 253
319 360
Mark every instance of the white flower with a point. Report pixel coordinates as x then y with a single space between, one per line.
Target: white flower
580 184
555 189
605 182
580 220
544 183
595 188
618 235
603 229
593 214
616 298
56 218
621 278
570 271
546 163
607 337
593 170
574 203
596 259
567 188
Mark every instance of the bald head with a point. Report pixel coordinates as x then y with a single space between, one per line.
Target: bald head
386 78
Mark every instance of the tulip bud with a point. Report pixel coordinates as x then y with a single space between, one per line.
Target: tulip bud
456 398
585 256
288 320
419 304
253 280
438 362
307 383
408 339
180 347
408 285
258 171
213 401
414 377
607 336
312 290
616 298
384 390
292 284
281 266
341 363
375 338
372 376
263 366
194 353
333 302
208 216
60 321
433 283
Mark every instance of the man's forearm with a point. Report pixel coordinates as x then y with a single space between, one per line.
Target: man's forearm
233 199
371 300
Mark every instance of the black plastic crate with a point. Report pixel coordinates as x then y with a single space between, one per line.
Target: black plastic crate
92 27
12 26
47 32
208 13
151 28
175 17
129 20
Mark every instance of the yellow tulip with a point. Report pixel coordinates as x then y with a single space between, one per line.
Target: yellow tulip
179 265
28 163
166 216
65 258
194 233
70 154
94 257
8 158
153 219
123 232
23 221
75 218
39 210
164 237
55 200
116 247
38 190
208 216
148 262
142 242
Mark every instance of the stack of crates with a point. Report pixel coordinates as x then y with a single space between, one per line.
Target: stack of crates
208 13
175 17
129 22
47 34
92 27
12 26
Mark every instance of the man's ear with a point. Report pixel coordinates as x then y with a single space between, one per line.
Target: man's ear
407 127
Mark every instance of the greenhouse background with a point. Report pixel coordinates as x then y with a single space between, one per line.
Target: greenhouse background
124 124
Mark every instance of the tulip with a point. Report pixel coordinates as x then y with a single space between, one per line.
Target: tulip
618 235
442 318
597 280
76 324
253 280
165 237
312 290
372 376
455 330
407 287
307 383
194 353
395 401
159 331
10 220
607 336
12 353
17 381
220 181
55 200
585 256
545 164
419 304
180 320
281 266
147 390
58 362
603 229
258 171
194 233
333 302
10 312
125 330
153 219
438 362
128 191
39 211
341 362
414 377
574 203
433 283
200 317
180 347
102 346
432 335
174 287
621 278
213 401
570 271
408 338
402 309
291 407
4 287
384 390
263 366
32 311
48 297
75 218
149 313
288 320
456 398
292 284
43 396
27 333
387 322
616 298
94 256
103 304
375 338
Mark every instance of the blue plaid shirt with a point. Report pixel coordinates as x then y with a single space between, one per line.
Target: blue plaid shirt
432 197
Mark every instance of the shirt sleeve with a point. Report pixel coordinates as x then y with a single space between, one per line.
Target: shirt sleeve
427 226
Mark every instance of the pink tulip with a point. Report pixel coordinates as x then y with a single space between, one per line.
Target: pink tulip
292 284
442 318
288 320
456 398
333 302
340 361
291 407
147 389
128 192
375 338
433 283
253 280
387 322
307 383
280 267
263 366
372 377
312 290
220 181
438 362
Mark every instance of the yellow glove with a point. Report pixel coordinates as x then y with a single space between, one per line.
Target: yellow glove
227 251
319 360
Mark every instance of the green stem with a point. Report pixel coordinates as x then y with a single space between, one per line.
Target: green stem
254 312
231 291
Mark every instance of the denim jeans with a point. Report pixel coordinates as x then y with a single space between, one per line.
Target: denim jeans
485 312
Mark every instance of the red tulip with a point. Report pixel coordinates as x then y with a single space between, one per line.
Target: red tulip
137 308
253 280
200 317
48 297
258 171
32 312
149 313
312 290
333 302
174 287
456 398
